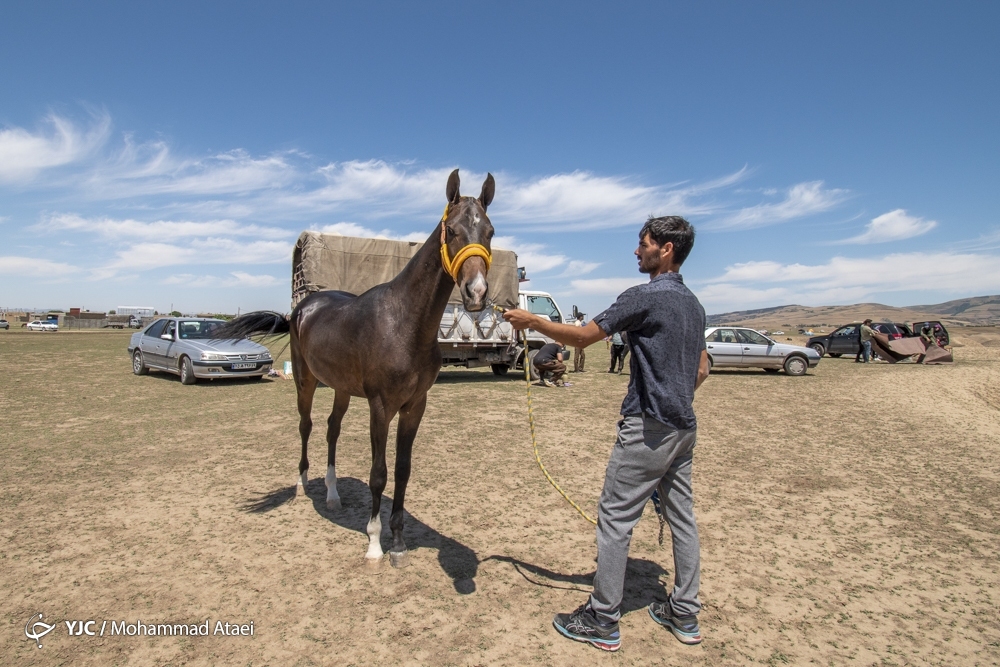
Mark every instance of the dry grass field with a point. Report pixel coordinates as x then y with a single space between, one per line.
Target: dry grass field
848 517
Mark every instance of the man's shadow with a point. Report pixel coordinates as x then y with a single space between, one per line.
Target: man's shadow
643 580
457 560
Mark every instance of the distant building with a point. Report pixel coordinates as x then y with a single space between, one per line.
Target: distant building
138 311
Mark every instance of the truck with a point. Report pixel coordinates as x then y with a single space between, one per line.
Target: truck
471 340
119 321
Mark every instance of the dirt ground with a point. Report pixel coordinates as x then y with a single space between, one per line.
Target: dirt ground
850 516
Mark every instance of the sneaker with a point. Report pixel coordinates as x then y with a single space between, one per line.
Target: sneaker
548 383
685 628
582 626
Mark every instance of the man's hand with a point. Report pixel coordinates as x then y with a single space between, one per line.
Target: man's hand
520 319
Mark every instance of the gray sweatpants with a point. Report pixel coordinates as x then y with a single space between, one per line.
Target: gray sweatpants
647 455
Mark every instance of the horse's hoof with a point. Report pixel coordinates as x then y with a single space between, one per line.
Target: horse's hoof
333 505
373 564
399 558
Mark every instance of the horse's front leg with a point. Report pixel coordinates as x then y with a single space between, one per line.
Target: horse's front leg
379 431
341 401
409 422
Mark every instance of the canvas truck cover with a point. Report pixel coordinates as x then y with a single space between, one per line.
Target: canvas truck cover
355 265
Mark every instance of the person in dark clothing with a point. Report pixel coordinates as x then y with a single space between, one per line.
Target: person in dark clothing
548 359
656 434
617 351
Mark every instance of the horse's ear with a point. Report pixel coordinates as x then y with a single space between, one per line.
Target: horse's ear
452 191
489 187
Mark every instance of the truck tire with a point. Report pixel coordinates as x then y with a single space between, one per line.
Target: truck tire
531 365
500 369
796 365
187 371
139 364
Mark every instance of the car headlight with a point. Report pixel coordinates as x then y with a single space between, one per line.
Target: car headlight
266 356
212 356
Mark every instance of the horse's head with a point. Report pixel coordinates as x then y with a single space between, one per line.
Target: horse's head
466 233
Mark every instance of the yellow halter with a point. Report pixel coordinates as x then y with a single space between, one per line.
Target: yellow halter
452 266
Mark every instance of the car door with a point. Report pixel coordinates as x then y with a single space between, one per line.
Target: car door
724 348
152 346
845 340
758 351
171 348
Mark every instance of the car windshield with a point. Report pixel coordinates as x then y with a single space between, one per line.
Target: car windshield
197 329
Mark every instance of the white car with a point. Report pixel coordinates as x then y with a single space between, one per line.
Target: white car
740 347
39 325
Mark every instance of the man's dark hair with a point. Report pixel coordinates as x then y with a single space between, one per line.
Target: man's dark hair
670 229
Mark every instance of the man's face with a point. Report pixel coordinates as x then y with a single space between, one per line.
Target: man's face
651 256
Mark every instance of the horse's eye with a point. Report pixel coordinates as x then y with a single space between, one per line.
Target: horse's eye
449 233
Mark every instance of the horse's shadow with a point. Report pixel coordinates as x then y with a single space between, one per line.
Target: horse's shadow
457 560
643 580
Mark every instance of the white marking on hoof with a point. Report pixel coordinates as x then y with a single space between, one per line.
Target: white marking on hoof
301 482
399 558
374 539
373 565
332 497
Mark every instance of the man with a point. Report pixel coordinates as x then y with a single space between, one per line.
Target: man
579 356
866 340
617 352
656 435
548 359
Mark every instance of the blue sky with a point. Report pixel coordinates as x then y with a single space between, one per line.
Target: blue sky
826 153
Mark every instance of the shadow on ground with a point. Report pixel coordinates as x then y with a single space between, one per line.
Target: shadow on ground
643 581
457 560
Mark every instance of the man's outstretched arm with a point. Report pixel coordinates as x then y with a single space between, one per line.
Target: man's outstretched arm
567 334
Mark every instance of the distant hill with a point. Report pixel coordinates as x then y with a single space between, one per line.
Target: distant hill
981 310
977 309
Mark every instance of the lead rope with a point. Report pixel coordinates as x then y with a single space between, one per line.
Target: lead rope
531 426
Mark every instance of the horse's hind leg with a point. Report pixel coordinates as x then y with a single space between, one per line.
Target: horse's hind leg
305 384
341 401
377 479
406 431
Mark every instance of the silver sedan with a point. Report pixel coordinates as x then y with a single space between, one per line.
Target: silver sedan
185 346
745 348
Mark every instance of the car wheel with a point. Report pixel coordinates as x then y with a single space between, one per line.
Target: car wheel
138 364
187 371
836 355
796 365
819 348
499 369
771 370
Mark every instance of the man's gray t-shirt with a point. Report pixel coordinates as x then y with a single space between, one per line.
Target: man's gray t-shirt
666 331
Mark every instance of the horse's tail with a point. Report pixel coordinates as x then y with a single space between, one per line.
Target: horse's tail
266 322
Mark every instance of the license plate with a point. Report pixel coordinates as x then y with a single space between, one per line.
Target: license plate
244 366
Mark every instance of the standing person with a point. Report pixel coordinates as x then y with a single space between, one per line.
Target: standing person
866 340
548 359
579 356
617 352
656 434
621 363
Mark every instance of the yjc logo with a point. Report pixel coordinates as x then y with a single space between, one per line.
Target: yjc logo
37 629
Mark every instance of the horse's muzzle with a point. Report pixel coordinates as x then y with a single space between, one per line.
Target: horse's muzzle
473 285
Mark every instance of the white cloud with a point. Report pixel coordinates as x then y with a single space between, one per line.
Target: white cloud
23 154
893 226
160 229
354 229
235 279
801 200
32 267
577 267
142 256
606 286
844 280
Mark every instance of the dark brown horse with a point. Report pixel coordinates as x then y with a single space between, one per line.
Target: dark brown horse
383 346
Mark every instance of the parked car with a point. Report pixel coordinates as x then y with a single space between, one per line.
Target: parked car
4 324
746 348
42 325
184 346
847 339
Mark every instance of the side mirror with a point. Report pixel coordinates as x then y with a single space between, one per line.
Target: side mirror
166 337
